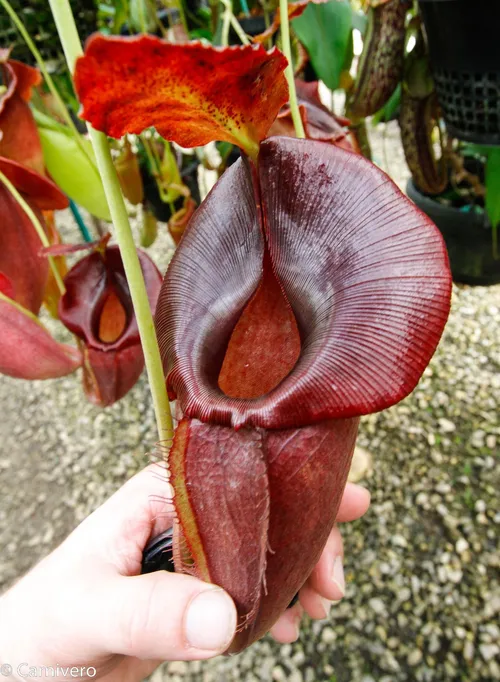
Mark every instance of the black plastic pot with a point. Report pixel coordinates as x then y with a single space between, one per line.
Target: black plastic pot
468 239
465 60
253 26
166 17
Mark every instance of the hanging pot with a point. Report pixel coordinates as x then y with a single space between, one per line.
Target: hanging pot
465 60
468 239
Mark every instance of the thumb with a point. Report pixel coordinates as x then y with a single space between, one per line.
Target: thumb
167 616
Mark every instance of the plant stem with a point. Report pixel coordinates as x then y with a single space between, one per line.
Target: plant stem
50 83
155 170
142 18
287 51
154 151
226 23
182 13
72 49
38 228
234 23
155 164
238 30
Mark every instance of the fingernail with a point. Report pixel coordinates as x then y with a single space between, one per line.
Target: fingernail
296 625
327 604
211 621
338 574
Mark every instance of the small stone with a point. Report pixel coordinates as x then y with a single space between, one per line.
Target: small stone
455 575
434 643
309 675
469 650
415 584
492 632
460 632
414 657
404 594
480 506
494 670
279 674
361 465
443 487
461 545
446 426
328 635
491 442
389 662
402 620
399 541
489 651
299 658
442 510
48 535
178 668
477 439
422 499
377 605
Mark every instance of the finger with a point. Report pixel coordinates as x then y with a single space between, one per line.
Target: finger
164 616
355 503
286 628
147 493
118 531
313 603
327 578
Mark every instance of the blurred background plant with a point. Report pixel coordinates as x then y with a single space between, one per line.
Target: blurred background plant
37 18
358 64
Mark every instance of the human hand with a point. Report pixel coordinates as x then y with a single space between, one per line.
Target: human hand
87 606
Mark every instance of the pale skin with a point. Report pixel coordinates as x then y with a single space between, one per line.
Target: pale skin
86 604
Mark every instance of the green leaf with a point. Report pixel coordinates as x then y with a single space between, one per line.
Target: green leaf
473 149
142 16
201 33
121 14
64 86
359 21
492 182
325 31
389 109
493 186
44 121
72 171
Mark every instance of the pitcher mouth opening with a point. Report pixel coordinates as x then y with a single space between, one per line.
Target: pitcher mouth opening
301 303
265 343
111 317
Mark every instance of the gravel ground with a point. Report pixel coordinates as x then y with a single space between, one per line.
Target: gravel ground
423 593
